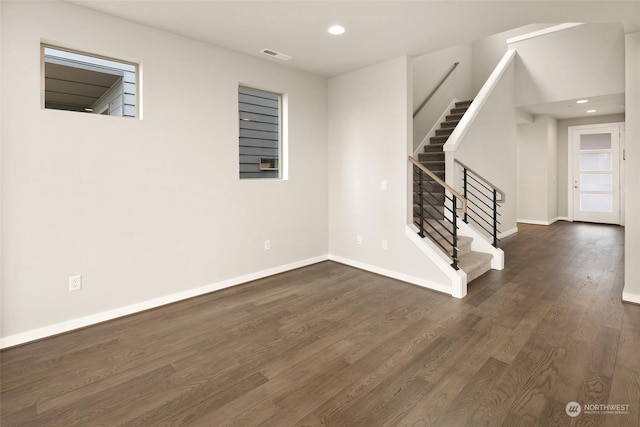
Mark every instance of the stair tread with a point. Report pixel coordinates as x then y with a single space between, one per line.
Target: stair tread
474 264
474 257
442 138
463 103
444 227
449 124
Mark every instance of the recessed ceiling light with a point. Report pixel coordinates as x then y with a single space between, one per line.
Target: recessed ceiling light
582 101
591 111
336 30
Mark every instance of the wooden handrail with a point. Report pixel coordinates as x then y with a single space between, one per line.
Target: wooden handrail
441 183
499 191
415 113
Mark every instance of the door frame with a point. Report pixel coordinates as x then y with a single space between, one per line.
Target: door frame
571 152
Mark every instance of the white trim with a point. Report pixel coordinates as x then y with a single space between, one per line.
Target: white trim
537 222
508 233
477 104
523 118
392 274
622 171
570 153
432 132
629 297
564 218
70 325
543 32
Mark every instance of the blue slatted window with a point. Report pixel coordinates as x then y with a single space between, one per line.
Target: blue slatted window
260 133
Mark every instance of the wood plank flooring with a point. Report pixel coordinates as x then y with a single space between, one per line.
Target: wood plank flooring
333 345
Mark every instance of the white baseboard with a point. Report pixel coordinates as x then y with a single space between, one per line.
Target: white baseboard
508 233
392 274
629 297
62 327
536 222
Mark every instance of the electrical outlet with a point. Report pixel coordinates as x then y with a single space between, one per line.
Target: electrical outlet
75 283
267 245
359 239
383 185
385 245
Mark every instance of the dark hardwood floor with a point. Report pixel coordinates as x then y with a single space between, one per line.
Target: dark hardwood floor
333 345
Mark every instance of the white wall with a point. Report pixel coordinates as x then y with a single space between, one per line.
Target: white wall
489 147
563 154
146 208
1 172
428 71
631 290
537 171
583 61
487 52
369 141
552 170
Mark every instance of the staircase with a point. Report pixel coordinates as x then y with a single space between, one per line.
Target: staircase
433 156
473 263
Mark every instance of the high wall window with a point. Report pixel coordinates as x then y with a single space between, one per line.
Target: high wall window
260 115
87 83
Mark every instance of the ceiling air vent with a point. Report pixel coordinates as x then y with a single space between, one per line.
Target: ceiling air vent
275 54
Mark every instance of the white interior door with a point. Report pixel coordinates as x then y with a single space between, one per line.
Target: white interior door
596 174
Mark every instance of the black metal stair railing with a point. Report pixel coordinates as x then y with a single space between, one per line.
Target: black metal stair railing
483 200
436 205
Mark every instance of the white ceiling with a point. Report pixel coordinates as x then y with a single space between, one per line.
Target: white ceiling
376 30
569 109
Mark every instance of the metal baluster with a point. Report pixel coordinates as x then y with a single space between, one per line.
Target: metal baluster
455 233
464 189
421 202
495 218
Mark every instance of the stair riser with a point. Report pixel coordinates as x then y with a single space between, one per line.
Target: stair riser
429 188
434 148
425 177
459 110
436 199
432 157
444 132
432 161
438 139
478 271
449 124
430 212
